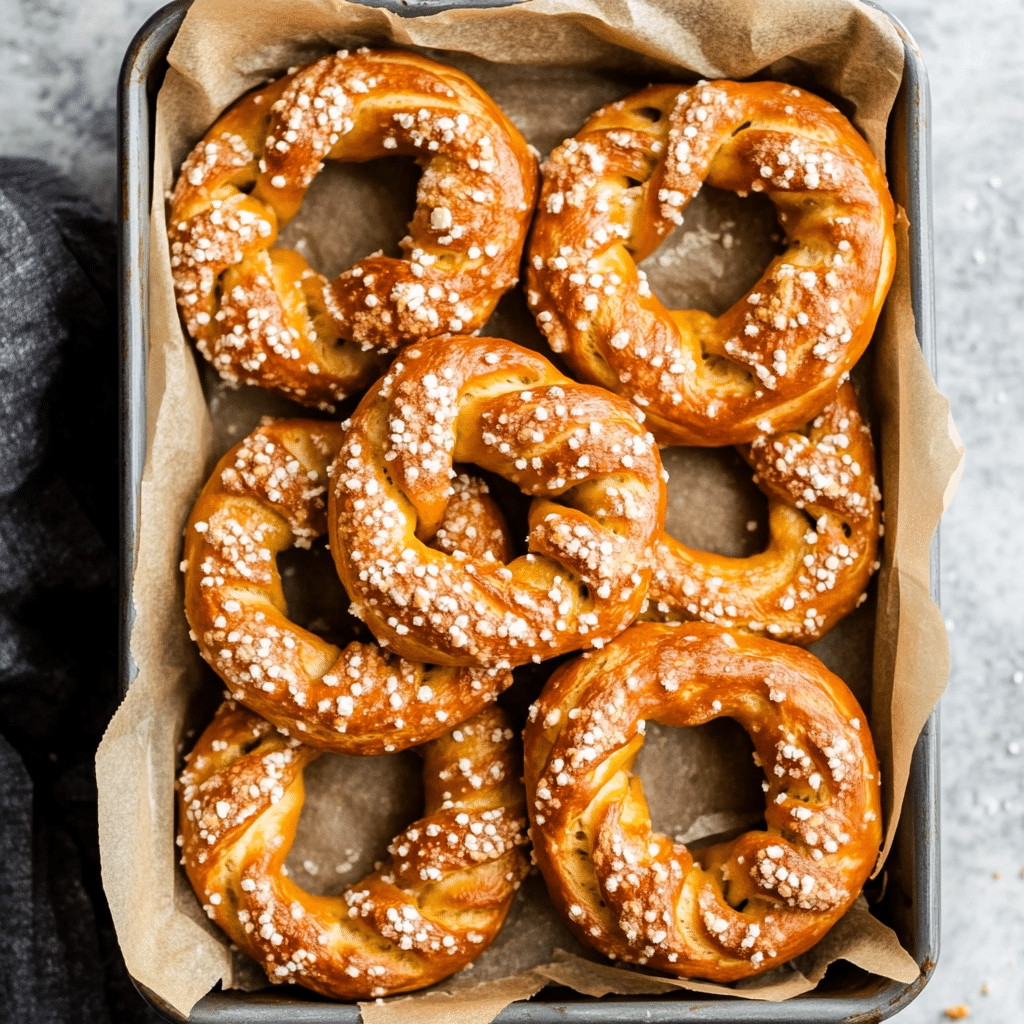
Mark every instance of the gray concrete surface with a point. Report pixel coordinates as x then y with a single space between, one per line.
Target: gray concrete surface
977 82
58 68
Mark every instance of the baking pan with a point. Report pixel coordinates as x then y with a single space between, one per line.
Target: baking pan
909 901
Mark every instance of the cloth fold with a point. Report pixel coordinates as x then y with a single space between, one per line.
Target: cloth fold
59 516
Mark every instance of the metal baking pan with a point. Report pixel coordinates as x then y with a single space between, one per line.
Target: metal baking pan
910 903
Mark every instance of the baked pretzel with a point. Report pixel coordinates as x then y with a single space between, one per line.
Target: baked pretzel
265 495
261 315
425 913
611 195
824 519
750 903
508 410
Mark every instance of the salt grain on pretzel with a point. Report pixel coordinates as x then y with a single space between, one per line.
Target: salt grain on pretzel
824 520
748 904
593 470
428 911
266 494
612 194
261 315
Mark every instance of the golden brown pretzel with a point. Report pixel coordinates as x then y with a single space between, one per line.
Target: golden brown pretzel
262 315
429 910
824 518
777 356
490 402
266 494
637 896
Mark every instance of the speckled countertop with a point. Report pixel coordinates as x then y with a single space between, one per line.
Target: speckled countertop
59 61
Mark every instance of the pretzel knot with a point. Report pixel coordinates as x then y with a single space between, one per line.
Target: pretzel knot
425 913
265 495
824 520
261 315
490 402
752 902
612 194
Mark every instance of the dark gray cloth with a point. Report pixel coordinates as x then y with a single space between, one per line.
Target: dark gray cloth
59 516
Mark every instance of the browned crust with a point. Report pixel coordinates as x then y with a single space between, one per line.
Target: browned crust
599 503
261 315
635 895
815 569
266 494
776 358
425 913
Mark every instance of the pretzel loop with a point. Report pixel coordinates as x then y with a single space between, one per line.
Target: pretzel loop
599 499
613 193
265 495
424 914
750 903
262 315
824 517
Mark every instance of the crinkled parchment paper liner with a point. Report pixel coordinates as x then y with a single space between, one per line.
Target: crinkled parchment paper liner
226 47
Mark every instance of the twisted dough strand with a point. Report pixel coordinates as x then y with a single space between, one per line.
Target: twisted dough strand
264 495
824 517
261 315
750 903
490 402
612 194
429 910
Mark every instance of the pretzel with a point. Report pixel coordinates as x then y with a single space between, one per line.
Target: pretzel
266 494
261 315
752 902
773 360
425 913
508 410
824 520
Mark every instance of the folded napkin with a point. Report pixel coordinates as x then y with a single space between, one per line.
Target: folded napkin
59 515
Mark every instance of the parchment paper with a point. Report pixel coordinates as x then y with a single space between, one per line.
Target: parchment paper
548 64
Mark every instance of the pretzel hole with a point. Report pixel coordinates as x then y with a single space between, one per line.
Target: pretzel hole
717 254
365 207
354 807
711 792
712 500
650 113
315 596
742 127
